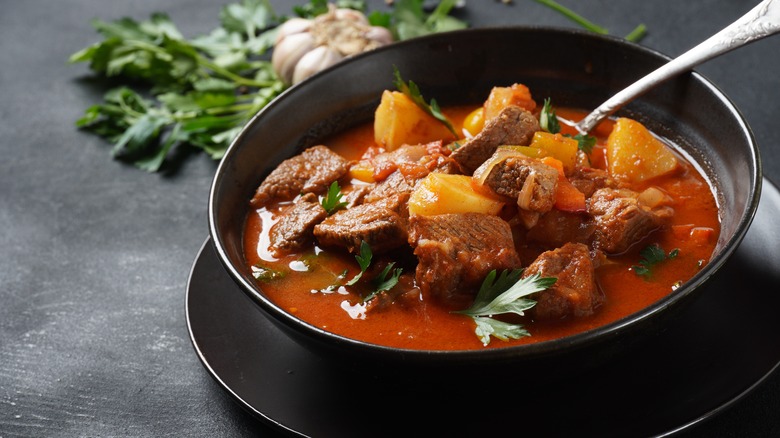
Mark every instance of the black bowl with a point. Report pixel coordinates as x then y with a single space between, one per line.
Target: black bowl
575 69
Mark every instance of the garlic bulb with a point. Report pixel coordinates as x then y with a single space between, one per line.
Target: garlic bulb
304 47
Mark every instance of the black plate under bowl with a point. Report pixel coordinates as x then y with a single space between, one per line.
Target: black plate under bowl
574 68
717 350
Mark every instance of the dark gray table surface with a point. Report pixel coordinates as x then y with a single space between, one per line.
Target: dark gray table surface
95 254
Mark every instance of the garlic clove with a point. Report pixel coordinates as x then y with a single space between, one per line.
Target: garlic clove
288 52
381 35
316 60
350 14
292 26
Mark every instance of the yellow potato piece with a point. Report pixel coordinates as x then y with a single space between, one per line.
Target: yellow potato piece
635 155
558 146
441 193
399 121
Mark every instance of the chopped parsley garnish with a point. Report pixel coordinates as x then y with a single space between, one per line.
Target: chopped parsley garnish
364 260
505 294
585 142
547 118
651 256
332 200
412 91
383 282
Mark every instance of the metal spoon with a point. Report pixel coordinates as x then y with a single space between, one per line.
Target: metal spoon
760 22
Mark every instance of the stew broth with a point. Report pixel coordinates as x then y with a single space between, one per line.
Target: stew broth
305 290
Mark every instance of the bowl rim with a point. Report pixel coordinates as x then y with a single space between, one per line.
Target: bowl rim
513 352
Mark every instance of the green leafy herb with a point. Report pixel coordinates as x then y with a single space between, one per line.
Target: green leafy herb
585 142
651 256
318 7
505 294
383 282
635 35
412 91
409 19
332 200
364 260
547 118
198 93
265 274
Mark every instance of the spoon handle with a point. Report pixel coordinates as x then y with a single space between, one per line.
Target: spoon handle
761 21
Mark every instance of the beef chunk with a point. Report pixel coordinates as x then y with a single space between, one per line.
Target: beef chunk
395 184
556 227
379 224
528 180
588 180
310 172
512 126
575 292
294 230
621 220
456 251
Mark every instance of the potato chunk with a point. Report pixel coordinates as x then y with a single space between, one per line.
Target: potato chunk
558 146
635 155
399 121
442 193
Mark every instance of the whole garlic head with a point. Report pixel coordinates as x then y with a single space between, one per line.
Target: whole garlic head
304 47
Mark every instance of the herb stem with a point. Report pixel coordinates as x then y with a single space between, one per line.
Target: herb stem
205 62
571 15
637 34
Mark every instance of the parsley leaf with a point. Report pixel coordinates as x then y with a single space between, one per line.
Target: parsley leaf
197 93
410 21
651 256
412 91
332 200
364 260
505 294
585 142
547 118
383 283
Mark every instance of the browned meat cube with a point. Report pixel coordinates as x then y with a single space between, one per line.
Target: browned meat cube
513 126
621 220
456 251
377 223
588 180
575 292
295 229
310 172
556 227
395 184
528 180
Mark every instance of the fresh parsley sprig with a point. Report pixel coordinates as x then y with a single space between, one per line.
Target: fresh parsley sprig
197 93
332 200
505 294
548 120
412 91
382 282
651 256
364 260
409 19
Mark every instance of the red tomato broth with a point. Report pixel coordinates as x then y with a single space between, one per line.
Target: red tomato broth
429 326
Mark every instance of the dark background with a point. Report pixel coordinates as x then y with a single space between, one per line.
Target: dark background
96 254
